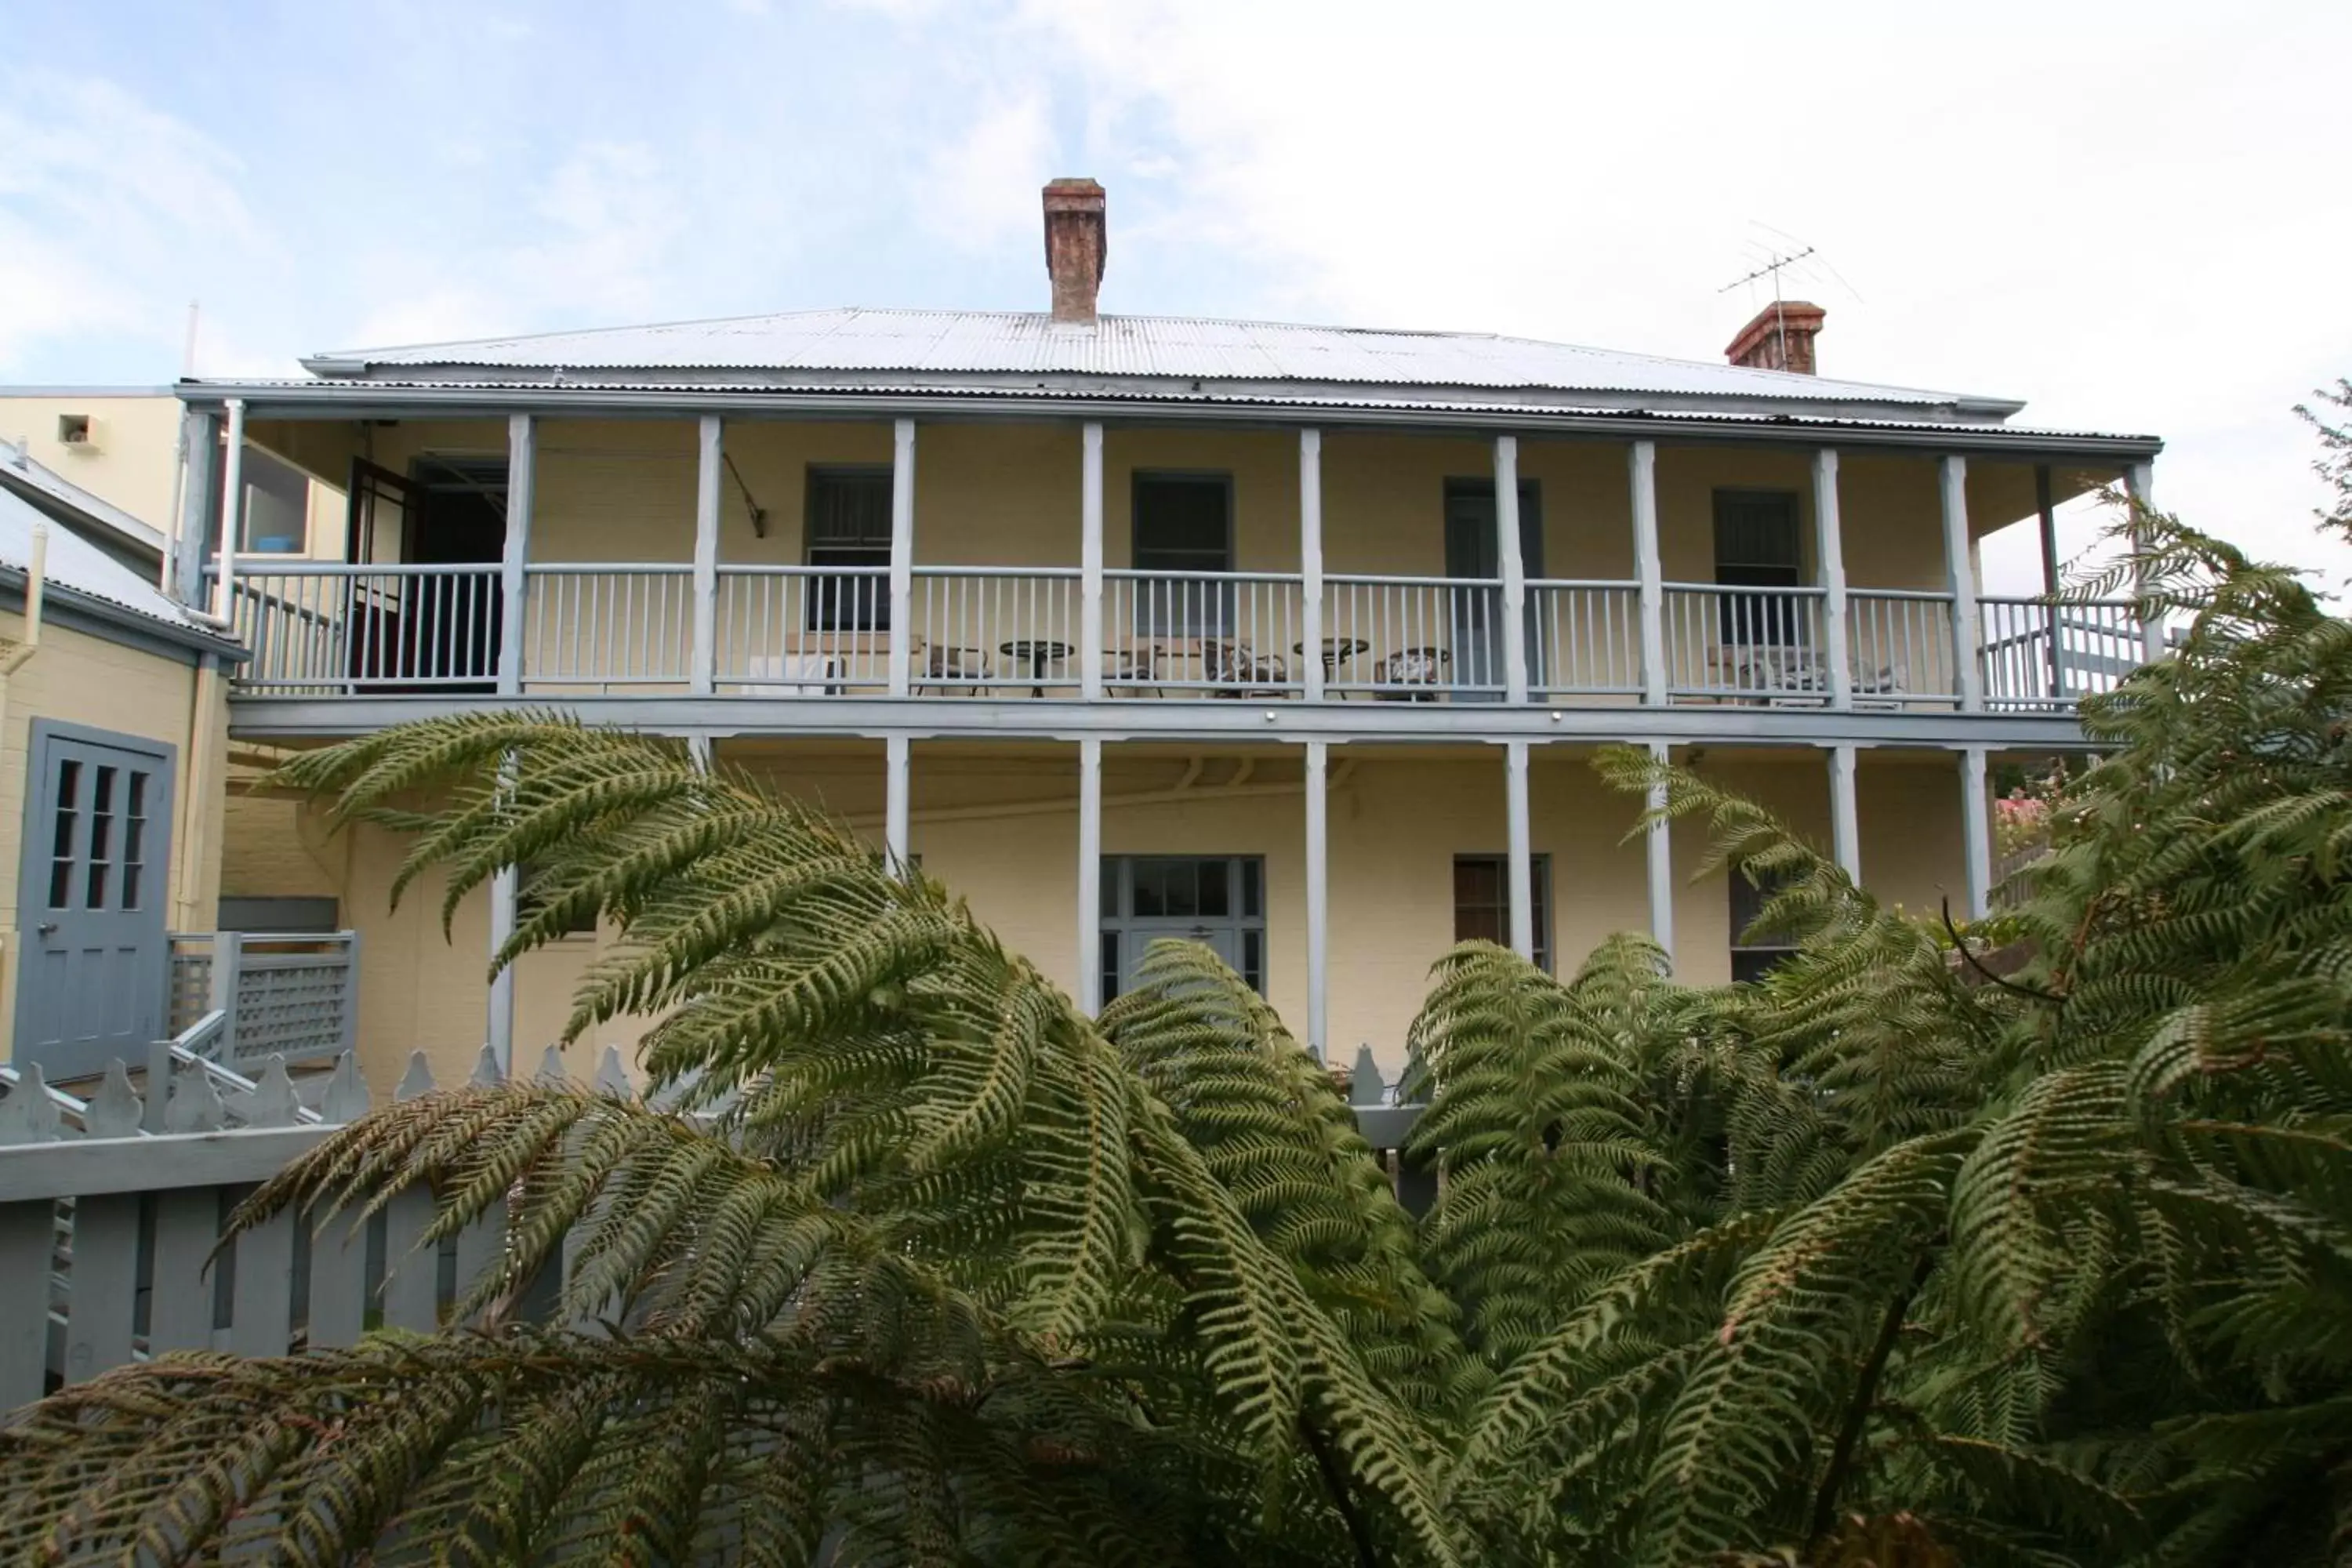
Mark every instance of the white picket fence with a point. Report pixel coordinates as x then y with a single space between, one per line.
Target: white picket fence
113 1209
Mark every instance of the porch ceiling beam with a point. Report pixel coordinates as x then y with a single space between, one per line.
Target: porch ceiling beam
272 719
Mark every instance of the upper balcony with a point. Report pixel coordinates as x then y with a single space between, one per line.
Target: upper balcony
1061 561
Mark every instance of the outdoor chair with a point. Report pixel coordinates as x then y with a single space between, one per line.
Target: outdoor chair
1237 669
1418 671
1133 670
943 669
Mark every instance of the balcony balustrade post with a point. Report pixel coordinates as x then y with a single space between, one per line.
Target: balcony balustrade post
1090 561
2139 484
1845 832
1658 846
1310 566
1975 831
1642 467
1090 876
702 674
232 532
522 474
1515 575
1521 868
902 554
1829 544
1960 573
1318 903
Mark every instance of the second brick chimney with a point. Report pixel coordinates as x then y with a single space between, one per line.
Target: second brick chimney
1076 243
1780 338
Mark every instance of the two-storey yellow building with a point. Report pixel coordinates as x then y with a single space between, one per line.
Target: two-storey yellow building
1297 640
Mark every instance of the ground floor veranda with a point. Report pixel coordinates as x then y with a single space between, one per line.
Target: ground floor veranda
1209 842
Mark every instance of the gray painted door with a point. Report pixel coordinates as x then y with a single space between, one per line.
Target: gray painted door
1475 614
92 965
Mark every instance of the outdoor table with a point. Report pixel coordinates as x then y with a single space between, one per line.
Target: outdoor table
1037 653
1337 651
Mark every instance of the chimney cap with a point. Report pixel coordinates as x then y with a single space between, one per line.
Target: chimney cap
1779 337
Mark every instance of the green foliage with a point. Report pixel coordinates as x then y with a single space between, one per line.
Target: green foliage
1879 1260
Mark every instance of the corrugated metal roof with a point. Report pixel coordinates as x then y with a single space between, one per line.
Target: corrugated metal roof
348 391
75 562
923 343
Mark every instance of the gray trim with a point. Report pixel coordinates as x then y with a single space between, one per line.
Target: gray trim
117 624
1052 718
361 400
158 853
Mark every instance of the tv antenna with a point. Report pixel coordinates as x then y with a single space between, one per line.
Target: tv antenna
1776 263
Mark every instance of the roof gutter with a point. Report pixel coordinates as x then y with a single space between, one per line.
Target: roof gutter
366 400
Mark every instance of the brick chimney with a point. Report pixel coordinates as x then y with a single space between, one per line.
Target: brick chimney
1074 247
1780 338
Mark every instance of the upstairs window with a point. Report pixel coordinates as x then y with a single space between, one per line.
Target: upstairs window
849 525
1758 544
1184 524
277 505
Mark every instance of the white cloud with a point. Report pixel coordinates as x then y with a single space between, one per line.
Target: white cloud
2126 217
979 188
110 215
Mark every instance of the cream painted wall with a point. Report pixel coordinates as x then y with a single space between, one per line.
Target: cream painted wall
130 459
79 678
1397 819
1007 493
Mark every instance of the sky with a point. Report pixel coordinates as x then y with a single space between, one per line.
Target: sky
2131 217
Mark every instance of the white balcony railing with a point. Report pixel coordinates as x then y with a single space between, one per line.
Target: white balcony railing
1900 648
1761 644
1586 638
2040 655
607 625
804 631
981 630
1228 634
1415 637
324 629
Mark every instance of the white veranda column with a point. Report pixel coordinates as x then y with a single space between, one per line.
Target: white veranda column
706 555
1521 865
2140 483
1960 575
1829 544
1090 561
232 535
1642 474
1658 844
1090 876
1310 560
522 476
504 886
1515 574
902 554
1975 830
1845 832
1318 903
895 752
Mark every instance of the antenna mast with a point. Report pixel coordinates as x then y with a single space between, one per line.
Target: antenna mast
1772 269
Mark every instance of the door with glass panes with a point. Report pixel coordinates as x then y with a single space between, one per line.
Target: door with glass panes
91 969
1216 899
